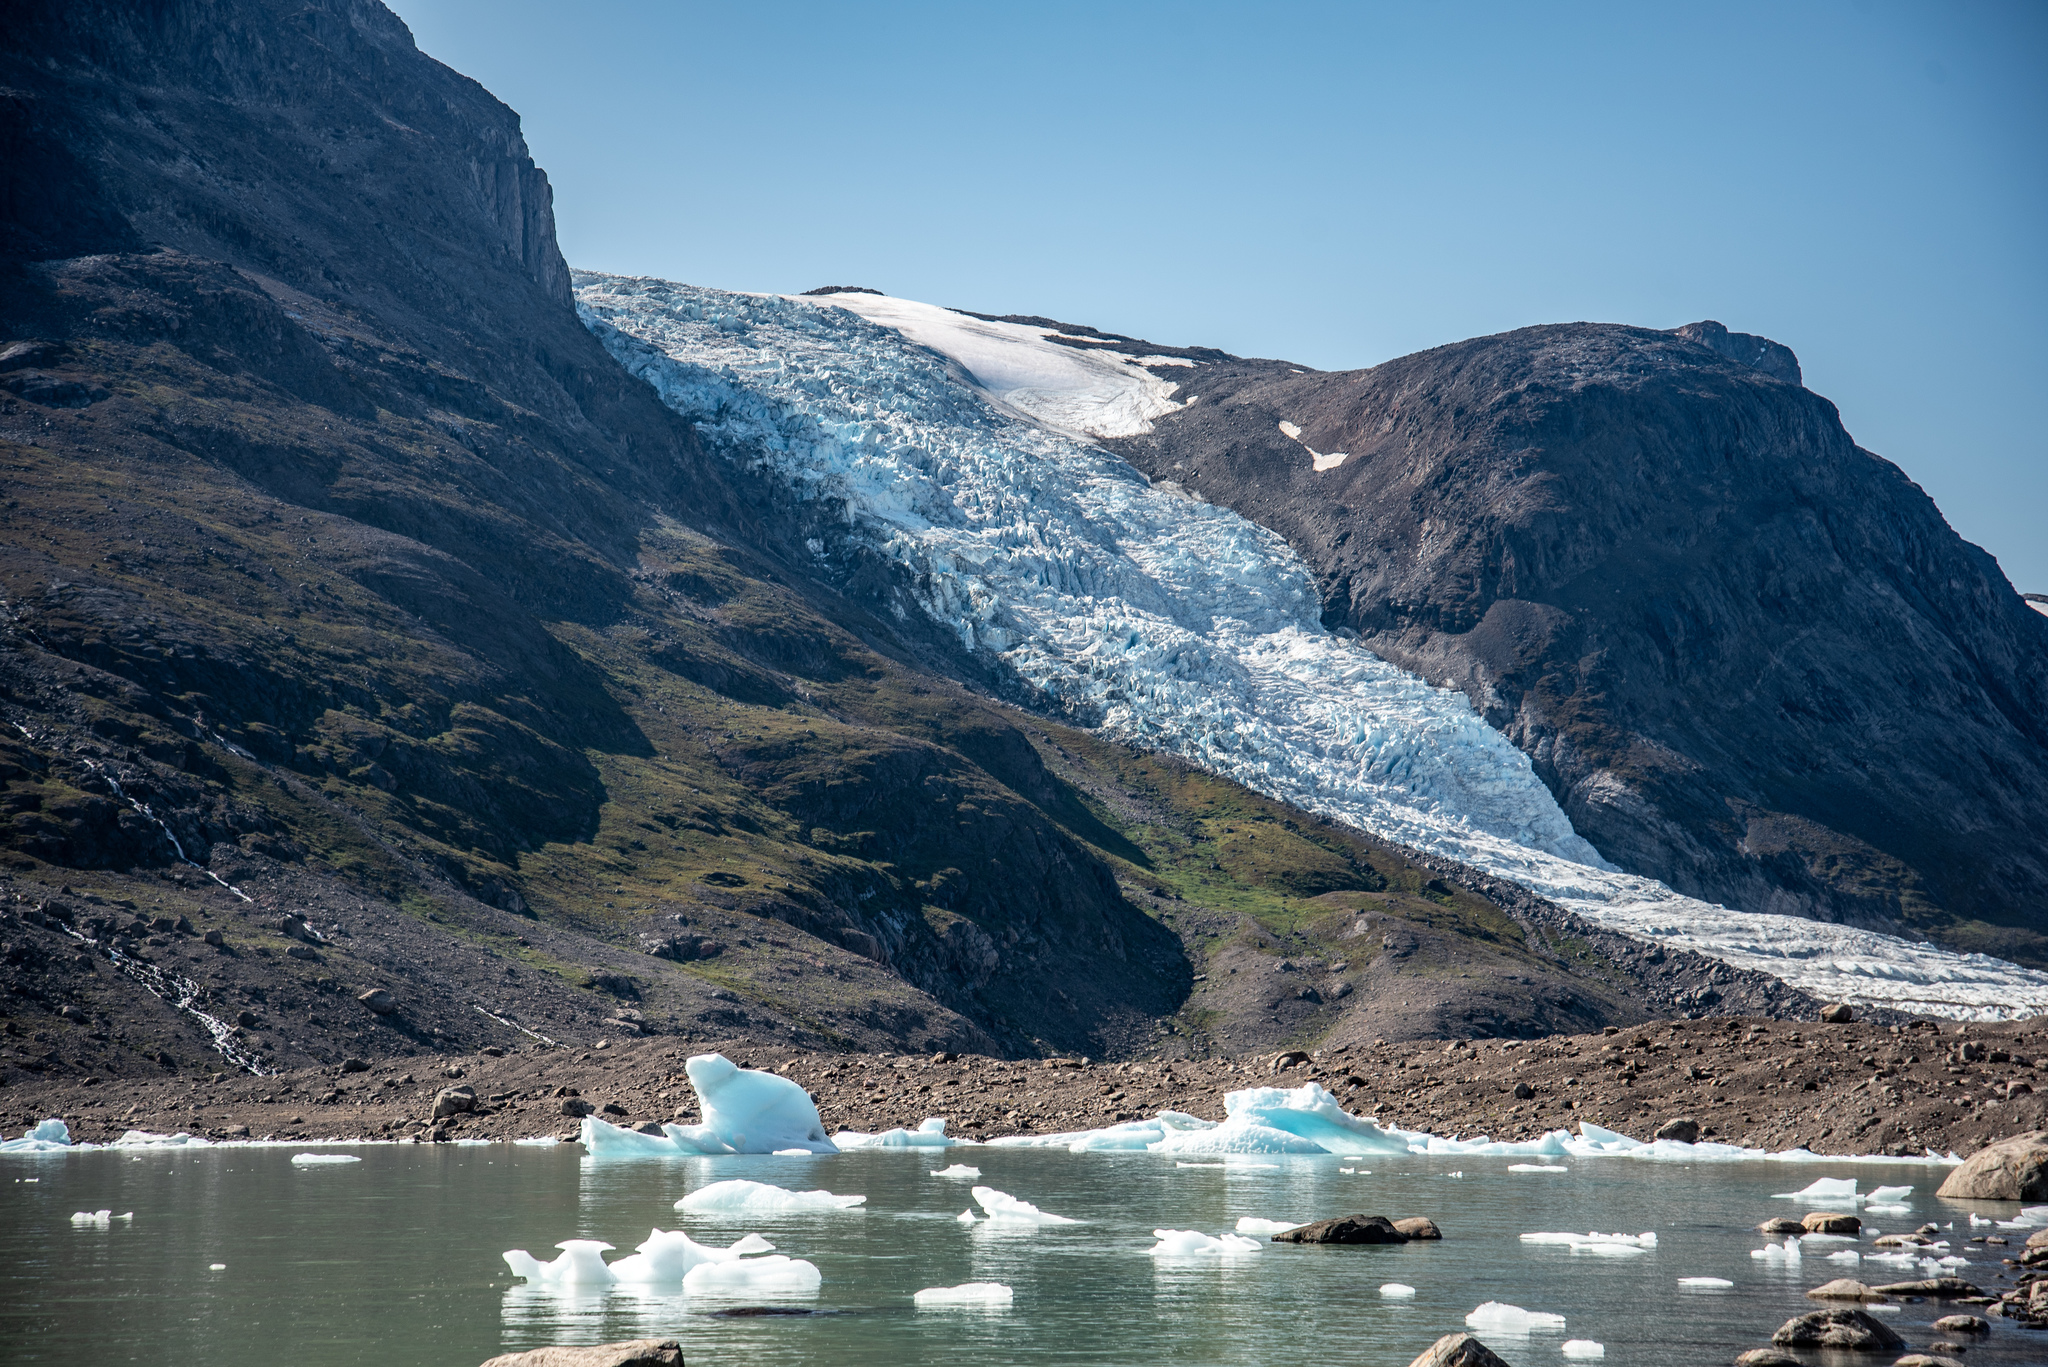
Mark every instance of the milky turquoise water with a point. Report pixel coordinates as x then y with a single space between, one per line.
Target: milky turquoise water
395 1260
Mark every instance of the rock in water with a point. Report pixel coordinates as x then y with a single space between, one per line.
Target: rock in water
1684 1130
1459 1350
1962 1324
1829 1222
1767 1357
2014 1169
632 1353
1927 1360
1935 1288
1778 1224
1418 1227
1856 1330
1345 1229
1844 1289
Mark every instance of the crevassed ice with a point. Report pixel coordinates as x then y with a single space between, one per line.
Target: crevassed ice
1179 626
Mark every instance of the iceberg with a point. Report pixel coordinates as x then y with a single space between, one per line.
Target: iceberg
1002 1208
1252 1224
1821 1190
737 1196
1192 1243
1787 1252
1173 624
100 1219
313 1160
773 1275
1537 1167
1582 1348
45 1136
1706 1283
958 1170
744 1111
1396 1290
581 1263
1597 1243
1500 1318
930 1135
968 1295
668 1255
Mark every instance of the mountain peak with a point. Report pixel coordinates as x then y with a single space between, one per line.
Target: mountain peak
1774 359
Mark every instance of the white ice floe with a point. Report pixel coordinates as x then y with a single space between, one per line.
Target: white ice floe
738 1196
1582 1348
965 1217
771 1276
45 1136
102 1219
1787 1252
1706 1283
966 1296
1252 1224
1396 1290
314 1160
1615 1244
580 1263
1537 1167
538 1141
1847 1255
216 1267
668 1255
1002 1208
958 1170
1499 1318
929 1135
947 447
1192 1243
744 1111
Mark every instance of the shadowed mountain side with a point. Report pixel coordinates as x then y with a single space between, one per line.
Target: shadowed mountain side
1748 657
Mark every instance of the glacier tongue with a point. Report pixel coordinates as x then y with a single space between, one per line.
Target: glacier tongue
1175 624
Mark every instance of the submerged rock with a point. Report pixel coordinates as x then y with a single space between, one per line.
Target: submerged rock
1856 1330
1939 1288
1962 1324
1844 1289
1459 1350
1418 1227
1767 1357
632 1353
1829 1222
2014 1169
1346 1229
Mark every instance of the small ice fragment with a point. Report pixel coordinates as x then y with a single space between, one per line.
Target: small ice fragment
962 1170
1357 1158
794 1153
98 1218
1536 1167
1002 1206
1889 1195
51 1131
1511 1319
737 1196
1583 1348
1178 1164
965 1217
307 1160
774 1275
1788 1252
1252 1224
1847 1255
1349 1170
1717 1283
968 1294
1191 1243
216 1267
1825 1189
1396 1290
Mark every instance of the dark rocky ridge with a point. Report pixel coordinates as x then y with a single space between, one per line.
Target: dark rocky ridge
1749 657
335 540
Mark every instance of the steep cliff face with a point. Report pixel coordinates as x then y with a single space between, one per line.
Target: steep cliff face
1749 657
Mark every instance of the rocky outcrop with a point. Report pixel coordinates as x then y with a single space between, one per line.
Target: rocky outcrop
1748 657
632 1353
1345 1229
2014 1169
1459 1350
1850 1330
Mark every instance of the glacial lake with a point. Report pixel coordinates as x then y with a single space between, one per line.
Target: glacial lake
394 1260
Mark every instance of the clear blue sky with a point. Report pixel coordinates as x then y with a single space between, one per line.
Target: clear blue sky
1864 180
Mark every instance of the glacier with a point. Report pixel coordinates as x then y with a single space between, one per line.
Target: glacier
960 451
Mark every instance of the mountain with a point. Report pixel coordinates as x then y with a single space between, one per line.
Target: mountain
364 615
1748 657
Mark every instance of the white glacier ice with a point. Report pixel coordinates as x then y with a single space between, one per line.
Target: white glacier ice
1582 1348
1396 1290
744 1111
1787 1252
1192 1243
668 1255
1706 1283
45 1136
1002 1208
1252 1224
958 1170
965 1217
771 1276
1537 1167
929 1135
957 450
1821 1190
1499 1318
581 1263
966 1296
102 1219
1623 1243
737 1196
314 1160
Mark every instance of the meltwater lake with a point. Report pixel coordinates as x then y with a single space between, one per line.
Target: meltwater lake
395 1259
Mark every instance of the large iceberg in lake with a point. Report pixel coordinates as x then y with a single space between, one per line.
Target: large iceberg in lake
46 1136
744 1112
665 1256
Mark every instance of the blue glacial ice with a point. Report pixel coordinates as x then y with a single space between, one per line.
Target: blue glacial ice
1001 1208
738 1196
666 1256
744 1111
961 452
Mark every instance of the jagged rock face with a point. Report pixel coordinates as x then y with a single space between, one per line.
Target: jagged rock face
1749 657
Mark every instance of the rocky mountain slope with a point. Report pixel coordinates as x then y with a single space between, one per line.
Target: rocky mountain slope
1749 657
368 628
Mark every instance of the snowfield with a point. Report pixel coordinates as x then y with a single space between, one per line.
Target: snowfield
959 449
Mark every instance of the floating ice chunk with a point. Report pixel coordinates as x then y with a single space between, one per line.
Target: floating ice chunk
312 1160
1787 1252
774 1275
581 1263
1200 1165
668 1256
965 1217
539 1141
1001 1207
737 1196
147 1139
1847 1255
1192 1243
1396 1290
1636 1242
1706 1283
1537 1167
1827 1238
1954 1261
795 1153
1252 1224
744 1111
958 1170
1582 1348
968 1295
1511 1319
1823 1189
44 1136
1887 1209
930 1135
216 1267
100 1218
1889 1195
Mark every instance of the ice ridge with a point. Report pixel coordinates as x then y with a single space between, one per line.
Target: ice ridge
1173 624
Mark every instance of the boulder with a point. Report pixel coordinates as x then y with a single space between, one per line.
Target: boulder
1684 1129
1927 1360
1844 1289
1856 1330
2014 1169
1936 1288
1830 1222
1962 1324
577 1106
1778 1224
633 1353
1524 1092
2038 1239
1452 1350
454 1101
1289 1059
1345 1229
216 939
1767 1357
1838 1013
378 1001
1419 1227
355 1065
